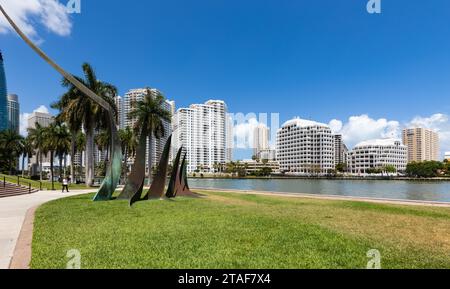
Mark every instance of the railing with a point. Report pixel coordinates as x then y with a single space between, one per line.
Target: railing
22 183
19 183
29 184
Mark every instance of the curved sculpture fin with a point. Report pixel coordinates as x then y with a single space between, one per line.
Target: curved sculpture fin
138 195
137 175
173 184
159 182
183 186
185 174
114 169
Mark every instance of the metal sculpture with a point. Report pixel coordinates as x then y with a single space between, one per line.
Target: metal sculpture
186 183
114 169
137 197
183 186
159 183
134 185
112 179
181 179
175 176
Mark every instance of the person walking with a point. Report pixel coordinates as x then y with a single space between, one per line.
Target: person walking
65 185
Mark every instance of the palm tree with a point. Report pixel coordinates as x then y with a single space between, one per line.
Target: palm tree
11 146
129 144
62 139
36 136
49 147
27 152
78 110
80 144
149 114
69 115
102 140
57 143
216 167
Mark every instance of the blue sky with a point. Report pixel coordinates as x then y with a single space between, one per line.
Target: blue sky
317 59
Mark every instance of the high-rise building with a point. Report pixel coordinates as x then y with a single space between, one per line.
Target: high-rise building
269 154
422 144
78 159
14 112
129 101
305 147
120 113
377 154
100 156
202 131
340 150
3 100
260 139
44 119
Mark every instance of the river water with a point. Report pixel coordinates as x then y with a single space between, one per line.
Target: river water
404 190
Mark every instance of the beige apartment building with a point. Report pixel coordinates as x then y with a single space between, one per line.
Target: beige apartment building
422 144
261 135
44 119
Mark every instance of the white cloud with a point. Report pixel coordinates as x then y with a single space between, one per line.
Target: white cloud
436 121
24 119
362 127
336 125
24 123
50 13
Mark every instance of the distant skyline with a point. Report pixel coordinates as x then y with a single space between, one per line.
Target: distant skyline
368 76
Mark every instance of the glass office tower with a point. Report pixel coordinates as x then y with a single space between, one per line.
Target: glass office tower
4 124
14 112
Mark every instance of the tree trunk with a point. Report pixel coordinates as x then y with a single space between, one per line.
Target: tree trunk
40 165
72 156
23 166
51 170
150 159
89 157
65 165
29 169
60 167
126 162
11 165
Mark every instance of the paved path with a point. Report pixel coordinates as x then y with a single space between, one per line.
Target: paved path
12 216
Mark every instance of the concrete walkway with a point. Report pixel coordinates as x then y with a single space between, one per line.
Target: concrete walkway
12 216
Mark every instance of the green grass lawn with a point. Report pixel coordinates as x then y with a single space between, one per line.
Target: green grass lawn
46 185
223 230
